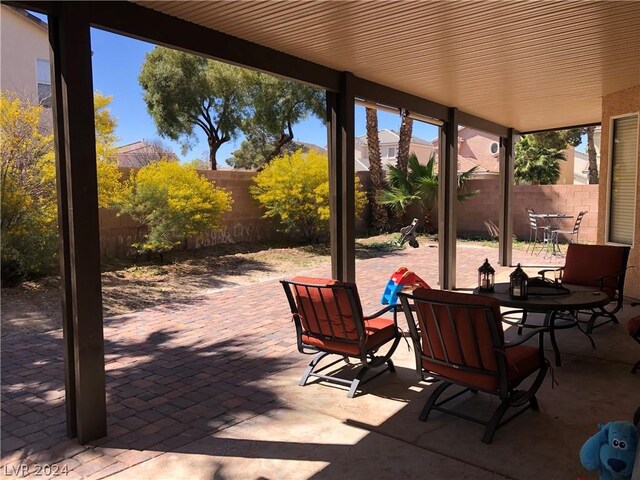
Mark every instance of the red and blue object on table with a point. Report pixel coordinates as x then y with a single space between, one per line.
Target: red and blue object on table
400 279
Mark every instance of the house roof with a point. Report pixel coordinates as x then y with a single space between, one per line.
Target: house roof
387 136
137 154
485 57
32 18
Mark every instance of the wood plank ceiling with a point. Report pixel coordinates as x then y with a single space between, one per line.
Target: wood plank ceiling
529 65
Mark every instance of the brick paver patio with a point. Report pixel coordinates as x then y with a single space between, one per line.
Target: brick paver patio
176 373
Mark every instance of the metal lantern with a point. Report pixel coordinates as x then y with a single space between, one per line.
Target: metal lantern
518 283
486 277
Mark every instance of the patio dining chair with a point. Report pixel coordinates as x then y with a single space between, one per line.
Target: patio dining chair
458 338
555 233
329 321
602 267
536 232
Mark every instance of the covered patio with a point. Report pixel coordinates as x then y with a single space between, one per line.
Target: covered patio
501 67
194 391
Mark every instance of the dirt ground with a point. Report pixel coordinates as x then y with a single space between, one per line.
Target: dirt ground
128 287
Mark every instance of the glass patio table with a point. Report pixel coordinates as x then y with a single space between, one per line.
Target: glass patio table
539 300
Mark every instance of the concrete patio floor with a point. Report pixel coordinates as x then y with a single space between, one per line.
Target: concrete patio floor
209 390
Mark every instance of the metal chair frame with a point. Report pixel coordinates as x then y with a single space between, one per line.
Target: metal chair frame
509 396
576 231
616 303
367 356
533 233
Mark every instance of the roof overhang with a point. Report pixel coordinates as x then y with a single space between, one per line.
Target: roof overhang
527 65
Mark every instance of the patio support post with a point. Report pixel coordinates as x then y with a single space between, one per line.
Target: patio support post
447 195
341 142
79 226
505 221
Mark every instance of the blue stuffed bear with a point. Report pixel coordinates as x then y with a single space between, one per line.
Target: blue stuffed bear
612 450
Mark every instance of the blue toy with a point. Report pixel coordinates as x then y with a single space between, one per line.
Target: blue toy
612 450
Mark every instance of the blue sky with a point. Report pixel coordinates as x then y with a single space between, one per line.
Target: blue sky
116 64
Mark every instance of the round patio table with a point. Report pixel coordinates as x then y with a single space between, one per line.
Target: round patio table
541 300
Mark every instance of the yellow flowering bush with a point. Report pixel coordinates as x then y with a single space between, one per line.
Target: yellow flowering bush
295 190
173 202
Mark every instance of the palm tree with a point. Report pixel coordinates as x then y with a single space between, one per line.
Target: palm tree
419 186
593 155
404 143
536 164
378 211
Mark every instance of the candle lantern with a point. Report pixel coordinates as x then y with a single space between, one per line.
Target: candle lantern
518 283
486 277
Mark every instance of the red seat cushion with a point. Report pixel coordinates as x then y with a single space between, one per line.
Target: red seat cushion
522 361
634 326
378 331
585 264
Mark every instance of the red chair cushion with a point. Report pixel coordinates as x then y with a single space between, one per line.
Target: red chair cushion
378 331
634 326
466 336
585 264
522 361
314 307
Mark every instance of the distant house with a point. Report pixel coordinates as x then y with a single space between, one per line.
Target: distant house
141 153
477 149
389 149
24 50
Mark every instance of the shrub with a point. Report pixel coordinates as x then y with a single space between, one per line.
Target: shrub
173 202
28 205
294 189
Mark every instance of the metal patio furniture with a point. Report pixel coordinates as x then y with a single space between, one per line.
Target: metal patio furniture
602 267
534 229
329 321
555 233
458 338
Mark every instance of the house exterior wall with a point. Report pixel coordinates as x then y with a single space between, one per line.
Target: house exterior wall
22 42
567 168
615 104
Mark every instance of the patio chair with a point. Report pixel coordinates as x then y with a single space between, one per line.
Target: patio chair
329 321
599 266
534 228
555 234
458 338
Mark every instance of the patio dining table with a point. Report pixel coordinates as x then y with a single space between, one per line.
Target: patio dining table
575 297
552 222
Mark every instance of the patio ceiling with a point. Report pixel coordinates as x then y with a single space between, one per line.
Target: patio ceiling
528 65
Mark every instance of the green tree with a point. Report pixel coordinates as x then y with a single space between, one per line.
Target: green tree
419 186
184 91
536 164
294 189
276 105
173 202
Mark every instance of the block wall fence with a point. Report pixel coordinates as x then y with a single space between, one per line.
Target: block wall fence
245 223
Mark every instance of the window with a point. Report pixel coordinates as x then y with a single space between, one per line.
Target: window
43 78
391 152
622 186
494 148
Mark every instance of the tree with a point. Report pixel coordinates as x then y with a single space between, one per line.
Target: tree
380 218
294 189
28 202
557 139
277 105
592 154
173 202
535 164
105 128
419 186
404 143
183 91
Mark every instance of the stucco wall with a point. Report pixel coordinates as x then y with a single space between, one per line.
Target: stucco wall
570 199
22 42
619 103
